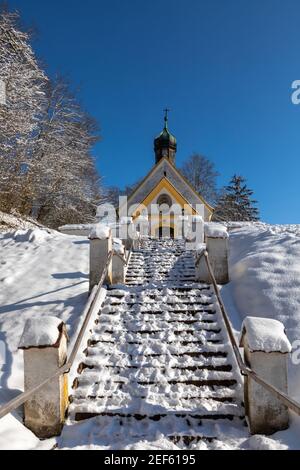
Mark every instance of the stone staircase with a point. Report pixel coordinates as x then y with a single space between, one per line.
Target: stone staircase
158 358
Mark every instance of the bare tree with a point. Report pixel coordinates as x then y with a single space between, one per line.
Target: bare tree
65 175
46 138
19 115
201 173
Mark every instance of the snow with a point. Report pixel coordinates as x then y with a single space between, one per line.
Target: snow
44 273
118 246
200 248
100 232
215 230
197 219
265 281
265 334
40 332
76 227
15 221
41 274
10 427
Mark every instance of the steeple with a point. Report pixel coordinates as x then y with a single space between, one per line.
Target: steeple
165 145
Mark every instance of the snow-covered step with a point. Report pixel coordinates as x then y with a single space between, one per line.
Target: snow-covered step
152 348
172 361
156 324
194 318
84 387
125 405
177 393
158 352
168 337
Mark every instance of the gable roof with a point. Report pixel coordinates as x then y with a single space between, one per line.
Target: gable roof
165 183
186 186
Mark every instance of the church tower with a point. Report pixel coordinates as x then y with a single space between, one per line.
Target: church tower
165 145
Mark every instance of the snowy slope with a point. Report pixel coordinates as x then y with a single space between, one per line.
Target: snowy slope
265 279
15 221
265 282
41 273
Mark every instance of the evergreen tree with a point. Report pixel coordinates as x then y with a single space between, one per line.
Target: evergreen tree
235 203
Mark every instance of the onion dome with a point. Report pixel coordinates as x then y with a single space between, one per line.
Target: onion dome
165 145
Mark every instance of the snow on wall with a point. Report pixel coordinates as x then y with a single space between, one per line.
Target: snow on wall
118 246
40 332
100 232
265 334
215 230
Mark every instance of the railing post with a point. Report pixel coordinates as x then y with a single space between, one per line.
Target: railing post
44 342
100 246
118 262
217 246
266 349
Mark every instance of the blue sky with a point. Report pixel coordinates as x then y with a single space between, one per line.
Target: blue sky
224 67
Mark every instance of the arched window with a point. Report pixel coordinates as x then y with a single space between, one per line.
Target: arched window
164 202
164 199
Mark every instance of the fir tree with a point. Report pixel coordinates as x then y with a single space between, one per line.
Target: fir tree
236 203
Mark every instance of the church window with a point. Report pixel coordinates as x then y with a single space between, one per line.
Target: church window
164 199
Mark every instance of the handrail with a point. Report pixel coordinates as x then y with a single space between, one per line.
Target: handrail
129 253
92 301
245 370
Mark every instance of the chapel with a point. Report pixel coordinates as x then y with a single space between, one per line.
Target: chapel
164 188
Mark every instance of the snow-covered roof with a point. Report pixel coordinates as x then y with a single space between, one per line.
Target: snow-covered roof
41 332
265 334
215 230
164 167
100 232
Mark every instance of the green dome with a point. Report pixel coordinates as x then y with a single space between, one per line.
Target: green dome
165 145
165 138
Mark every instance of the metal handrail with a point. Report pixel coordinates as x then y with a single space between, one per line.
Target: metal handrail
129 253
245 370
122 258
92 301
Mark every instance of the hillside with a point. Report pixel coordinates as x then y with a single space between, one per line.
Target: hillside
15 221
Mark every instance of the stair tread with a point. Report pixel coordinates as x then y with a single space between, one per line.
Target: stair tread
157 352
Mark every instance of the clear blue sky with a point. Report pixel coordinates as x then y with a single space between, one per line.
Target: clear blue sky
224 67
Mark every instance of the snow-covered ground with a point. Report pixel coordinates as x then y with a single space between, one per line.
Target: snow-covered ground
46 273
265 281
41 273
15 221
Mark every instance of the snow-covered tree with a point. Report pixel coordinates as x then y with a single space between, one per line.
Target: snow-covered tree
46 138
201 173
236 203
64 176
24 84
